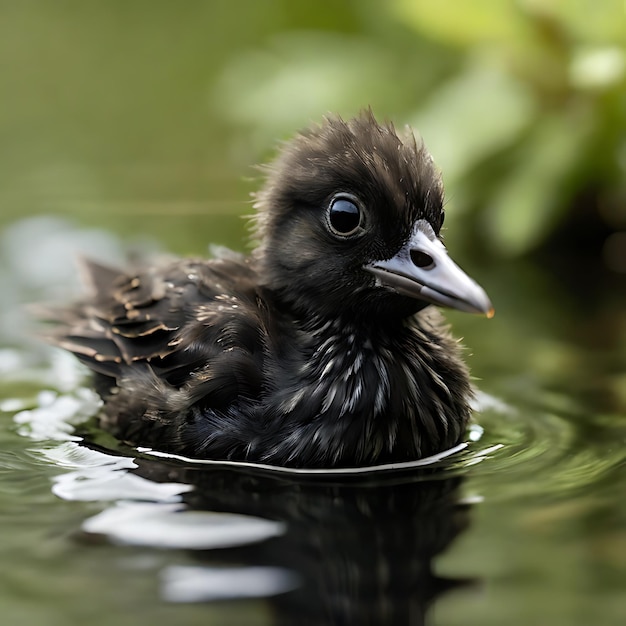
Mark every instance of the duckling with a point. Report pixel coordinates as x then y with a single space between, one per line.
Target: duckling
321 348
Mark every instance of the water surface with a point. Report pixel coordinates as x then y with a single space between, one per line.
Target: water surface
524 525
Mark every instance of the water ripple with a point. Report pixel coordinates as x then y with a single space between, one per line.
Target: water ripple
548 447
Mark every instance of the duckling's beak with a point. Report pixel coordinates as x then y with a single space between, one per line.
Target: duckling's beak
422 269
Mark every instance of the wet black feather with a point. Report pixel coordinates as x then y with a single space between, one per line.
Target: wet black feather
293 355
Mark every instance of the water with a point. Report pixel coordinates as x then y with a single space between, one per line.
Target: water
525 524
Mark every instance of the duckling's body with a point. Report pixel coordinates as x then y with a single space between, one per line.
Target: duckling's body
318 349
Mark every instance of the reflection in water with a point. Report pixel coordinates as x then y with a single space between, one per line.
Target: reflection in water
322 552
362 552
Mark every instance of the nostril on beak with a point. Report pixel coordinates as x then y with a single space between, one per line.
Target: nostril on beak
423 260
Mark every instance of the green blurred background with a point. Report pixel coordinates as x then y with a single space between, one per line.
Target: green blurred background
136 114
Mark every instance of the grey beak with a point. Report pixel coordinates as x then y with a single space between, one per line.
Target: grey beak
422 269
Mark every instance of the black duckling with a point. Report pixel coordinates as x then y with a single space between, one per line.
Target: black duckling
318 350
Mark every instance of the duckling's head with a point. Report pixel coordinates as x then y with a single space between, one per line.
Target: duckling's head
349 220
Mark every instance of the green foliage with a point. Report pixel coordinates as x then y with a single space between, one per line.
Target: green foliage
126 110
558 119
523 104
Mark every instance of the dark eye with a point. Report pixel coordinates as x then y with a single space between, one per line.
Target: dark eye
344 216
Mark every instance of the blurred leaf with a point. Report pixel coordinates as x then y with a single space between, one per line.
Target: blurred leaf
506 22
300 76
473 115
462 23
597 68
588 20
528 203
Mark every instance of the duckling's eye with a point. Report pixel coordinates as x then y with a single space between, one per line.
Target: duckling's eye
344 216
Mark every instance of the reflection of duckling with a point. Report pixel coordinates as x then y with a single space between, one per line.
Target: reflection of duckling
317 350
357 551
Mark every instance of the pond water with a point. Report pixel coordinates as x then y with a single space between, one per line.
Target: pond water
523 525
